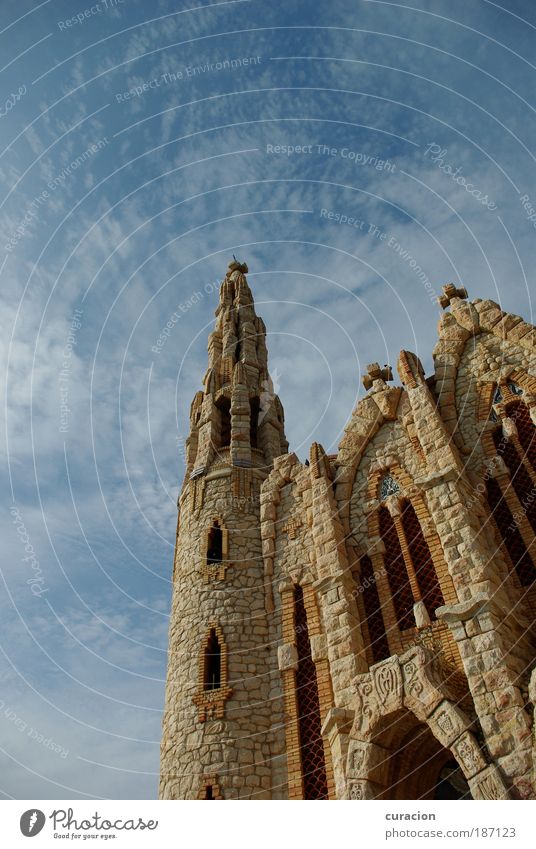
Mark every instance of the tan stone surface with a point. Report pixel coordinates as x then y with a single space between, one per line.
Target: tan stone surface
453 687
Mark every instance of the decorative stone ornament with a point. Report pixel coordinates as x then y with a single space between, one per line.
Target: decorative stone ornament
374 373
450 291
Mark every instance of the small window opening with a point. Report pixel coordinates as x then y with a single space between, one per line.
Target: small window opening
388 486
421 558
373 611
212 662
208 792
254 406
514 388
215 544
224 406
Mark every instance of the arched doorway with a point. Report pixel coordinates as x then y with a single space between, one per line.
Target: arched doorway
417 765
420 767
409 735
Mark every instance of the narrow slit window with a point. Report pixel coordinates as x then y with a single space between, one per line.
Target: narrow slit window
526 431
514 388
521 480
208 792
509 532
311 744
254 406
224 407
421 558
379 646
215 544
212 662
397 575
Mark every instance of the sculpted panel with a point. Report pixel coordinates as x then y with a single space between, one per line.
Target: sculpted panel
387 679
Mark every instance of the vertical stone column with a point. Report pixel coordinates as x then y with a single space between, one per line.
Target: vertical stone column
240 419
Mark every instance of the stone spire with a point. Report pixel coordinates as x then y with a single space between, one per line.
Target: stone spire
238 419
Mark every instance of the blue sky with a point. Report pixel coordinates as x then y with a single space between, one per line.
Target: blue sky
141 145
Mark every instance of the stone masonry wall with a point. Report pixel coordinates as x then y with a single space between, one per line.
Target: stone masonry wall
237 748
310 524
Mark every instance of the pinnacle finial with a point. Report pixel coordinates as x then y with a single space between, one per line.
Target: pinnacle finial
451 291
235 265
374 372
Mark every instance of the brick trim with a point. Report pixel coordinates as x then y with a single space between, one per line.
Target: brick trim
212 782
214 571
211 703
399 640
325 692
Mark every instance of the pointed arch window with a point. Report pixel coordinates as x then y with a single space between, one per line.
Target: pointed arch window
524 486
511 493
215 552
379 647
313 763
421 558
526 432
412 580
510 534
397 573
213 688
223 405
212 665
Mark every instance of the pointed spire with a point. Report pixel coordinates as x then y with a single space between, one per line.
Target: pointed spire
410 369
234 424
239 334
238 266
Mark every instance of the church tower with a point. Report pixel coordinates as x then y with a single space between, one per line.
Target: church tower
359 625
220 713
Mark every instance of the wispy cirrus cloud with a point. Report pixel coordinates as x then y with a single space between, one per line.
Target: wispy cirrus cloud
137 228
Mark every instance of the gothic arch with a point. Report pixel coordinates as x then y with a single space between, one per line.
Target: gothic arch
308 692
211 695
369 416
508 479
375 549
463 325
487 388
412 683
215 551
316 517
285 470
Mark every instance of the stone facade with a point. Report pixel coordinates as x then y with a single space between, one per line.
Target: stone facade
360 625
